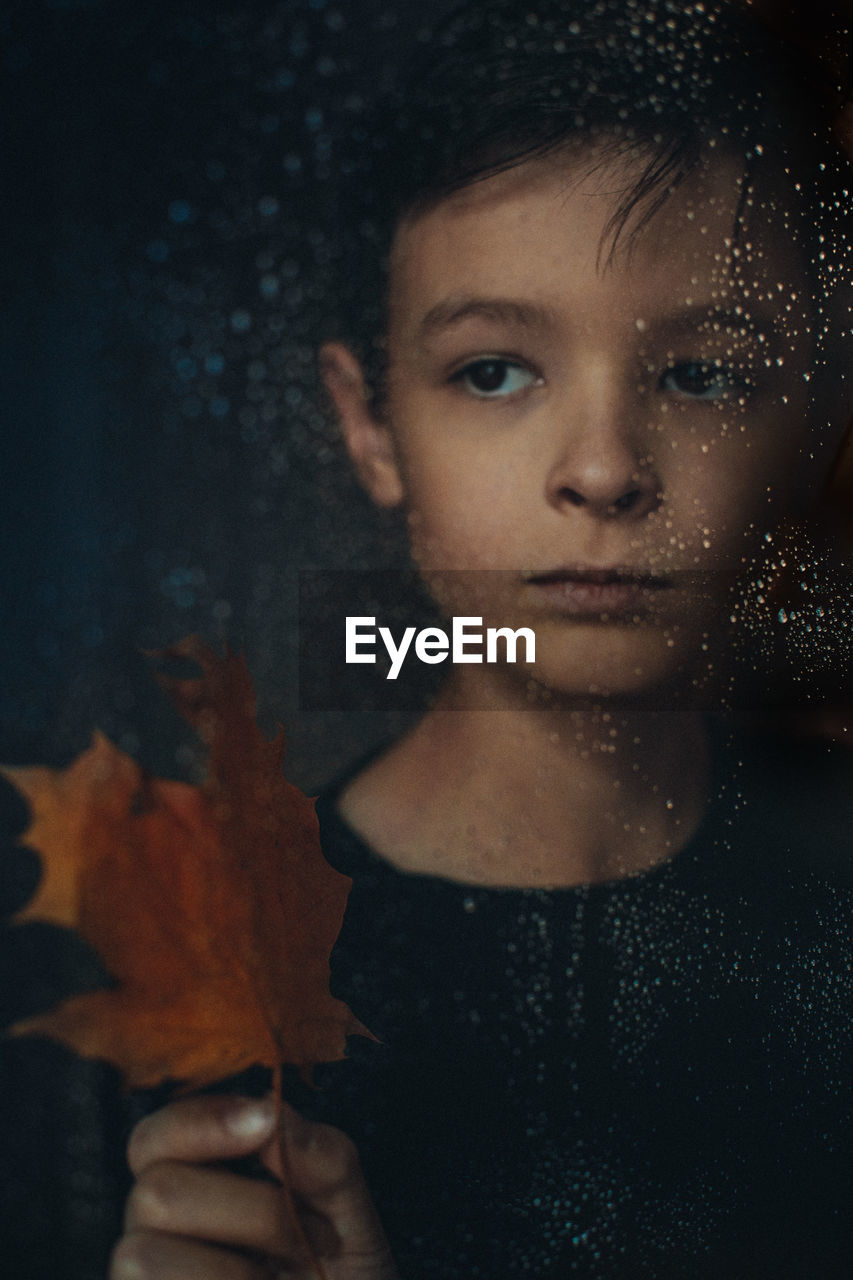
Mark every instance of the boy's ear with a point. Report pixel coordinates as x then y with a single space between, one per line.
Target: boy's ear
367 437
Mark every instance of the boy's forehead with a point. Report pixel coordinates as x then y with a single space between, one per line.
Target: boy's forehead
549 222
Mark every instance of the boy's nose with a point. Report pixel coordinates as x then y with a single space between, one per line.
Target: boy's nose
602 472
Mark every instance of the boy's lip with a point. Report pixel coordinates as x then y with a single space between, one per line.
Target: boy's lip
599 577
597 592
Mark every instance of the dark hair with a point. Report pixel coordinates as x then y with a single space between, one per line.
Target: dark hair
497 83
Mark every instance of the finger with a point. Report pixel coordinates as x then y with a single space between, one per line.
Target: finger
201 1129
146 1255
215 1205
324 1170
319 1157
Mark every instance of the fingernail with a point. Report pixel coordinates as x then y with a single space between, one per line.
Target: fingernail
127 1268
251 1117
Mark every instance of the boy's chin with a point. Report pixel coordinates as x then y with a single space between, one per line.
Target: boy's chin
660 669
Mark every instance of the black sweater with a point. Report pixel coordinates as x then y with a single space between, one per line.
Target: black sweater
650 1077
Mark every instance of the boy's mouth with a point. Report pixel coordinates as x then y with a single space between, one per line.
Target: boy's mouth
597 592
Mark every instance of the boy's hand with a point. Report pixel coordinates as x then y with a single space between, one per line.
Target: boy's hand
190 1218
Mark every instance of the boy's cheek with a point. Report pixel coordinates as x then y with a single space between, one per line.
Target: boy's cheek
495 595
458 535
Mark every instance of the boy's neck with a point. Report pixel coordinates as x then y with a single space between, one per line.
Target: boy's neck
571 794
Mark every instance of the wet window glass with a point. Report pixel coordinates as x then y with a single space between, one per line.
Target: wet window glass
481 373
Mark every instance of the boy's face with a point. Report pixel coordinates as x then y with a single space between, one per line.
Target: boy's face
597 445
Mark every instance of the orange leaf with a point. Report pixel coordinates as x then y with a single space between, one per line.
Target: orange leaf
212 907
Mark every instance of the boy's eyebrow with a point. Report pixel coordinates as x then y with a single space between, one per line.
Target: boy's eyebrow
760 318
453 310
456 309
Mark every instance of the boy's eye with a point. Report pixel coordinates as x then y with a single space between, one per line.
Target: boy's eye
491 377
704 380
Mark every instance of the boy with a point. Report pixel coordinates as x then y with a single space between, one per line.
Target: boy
607 958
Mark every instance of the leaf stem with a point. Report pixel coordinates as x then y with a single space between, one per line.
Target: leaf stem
286 1183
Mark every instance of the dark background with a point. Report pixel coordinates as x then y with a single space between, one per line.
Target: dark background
168 463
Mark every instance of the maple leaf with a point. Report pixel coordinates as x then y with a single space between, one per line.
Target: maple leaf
211 906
